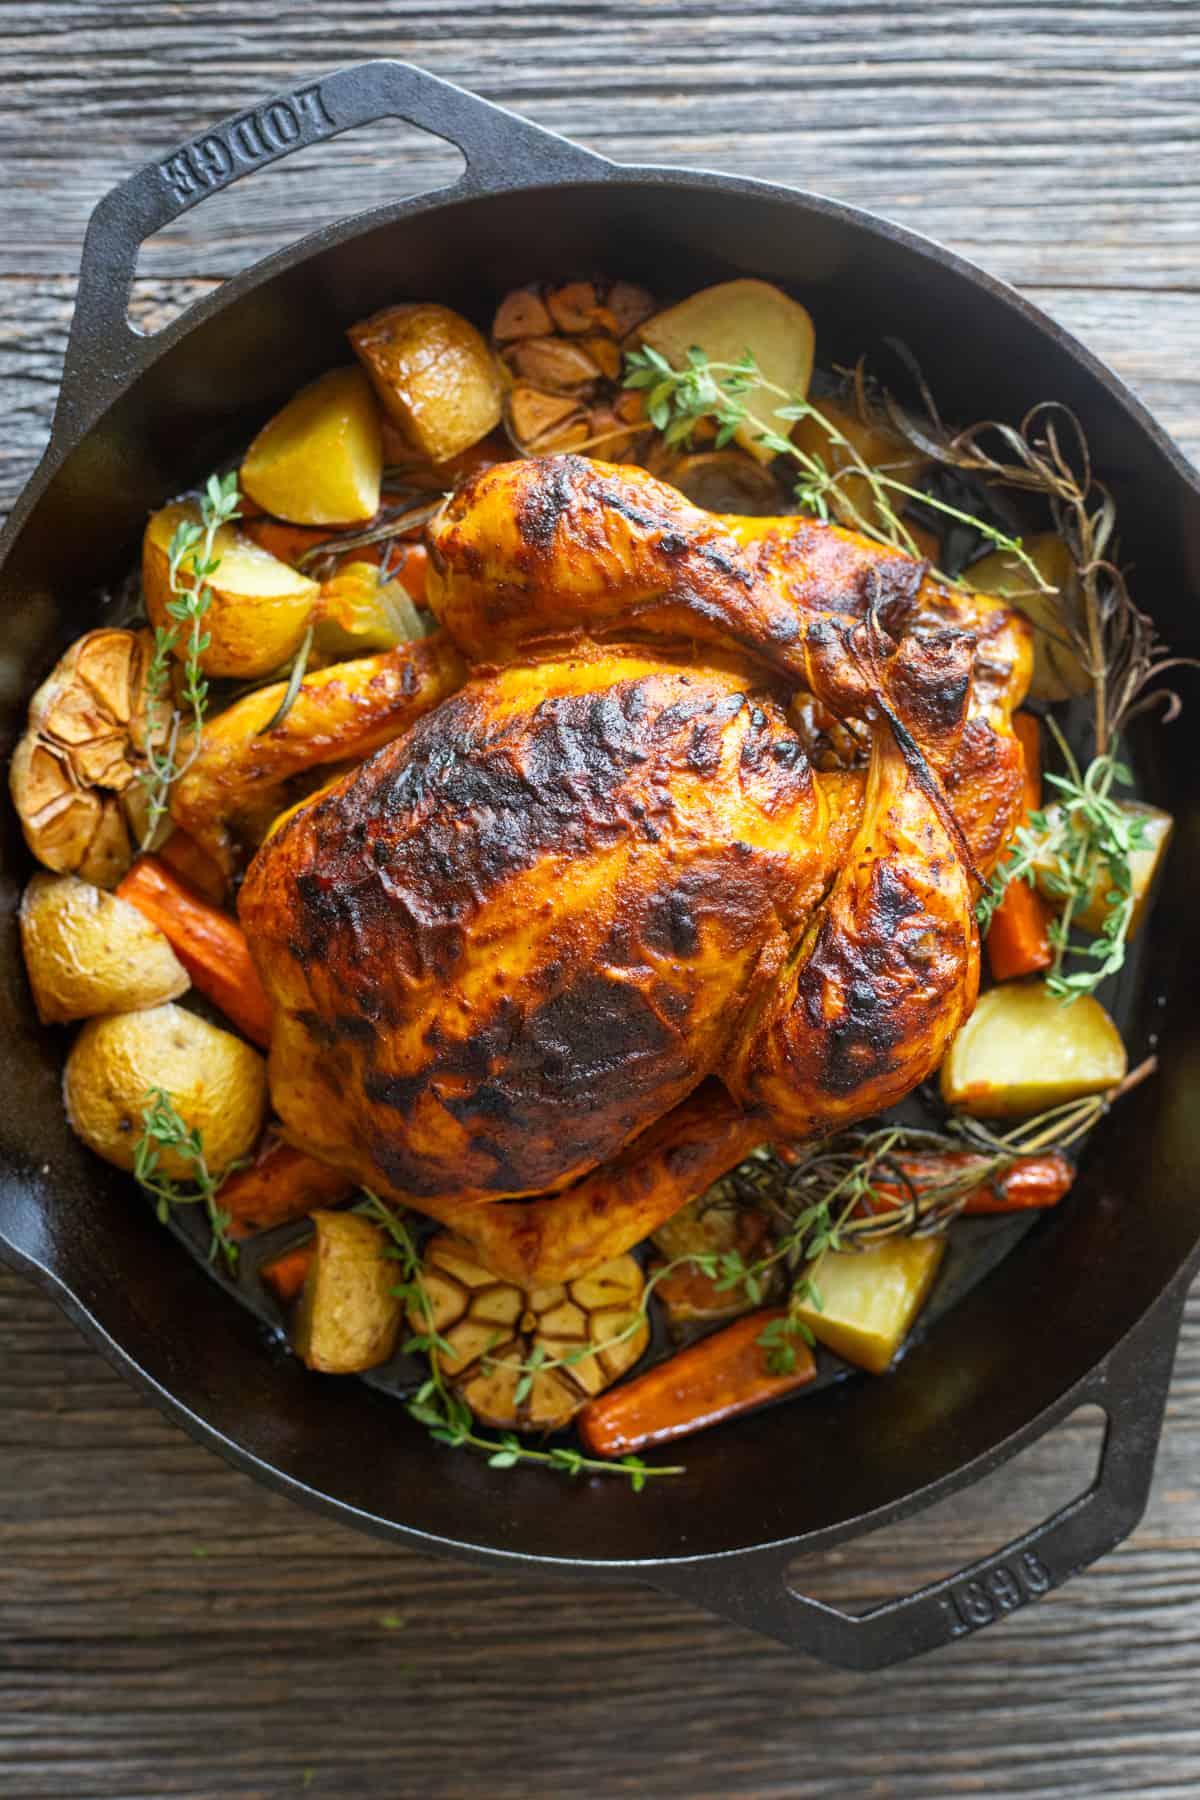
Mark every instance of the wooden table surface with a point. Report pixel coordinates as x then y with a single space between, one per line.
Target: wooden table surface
169 1628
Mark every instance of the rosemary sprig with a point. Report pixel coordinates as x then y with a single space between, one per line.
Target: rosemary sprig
1082 844
677 400
163 1128
296 675
854 1191
391 523
445 1415
1047 455
190 568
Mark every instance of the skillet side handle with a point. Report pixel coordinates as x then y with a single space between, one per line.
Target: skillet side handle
500 149
1131 1387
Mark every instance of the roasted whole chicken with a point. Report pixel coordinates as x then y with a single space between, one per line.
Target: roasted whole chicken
592 924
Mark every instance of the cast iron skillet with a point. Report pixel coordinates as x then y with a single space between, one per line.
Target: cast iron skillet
1085 1309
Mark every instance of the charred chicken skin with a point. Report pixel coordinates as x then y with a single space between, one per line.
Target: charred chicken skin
593 925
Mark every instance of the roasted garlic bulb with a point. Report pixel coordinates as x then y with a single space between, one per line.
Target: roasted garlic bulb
75 773
498 1334
561 348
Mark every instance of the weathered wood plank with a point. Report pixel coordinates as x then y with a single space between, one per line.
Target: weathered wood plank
993 128
185 1632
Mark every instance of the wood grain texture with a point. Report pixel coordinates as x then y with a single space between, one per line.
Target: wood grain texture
167 1627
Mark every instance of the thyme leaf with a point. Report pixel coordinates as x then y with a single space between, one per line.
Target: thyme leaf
164 1129
1081 845
191 565
677 400
444 1413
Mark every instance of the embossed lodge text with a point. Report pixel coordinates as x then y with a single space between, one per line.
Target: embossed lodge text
210 161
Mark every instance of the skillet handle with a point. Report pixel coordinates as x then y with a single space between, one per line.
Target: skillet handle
500 150
1131 1387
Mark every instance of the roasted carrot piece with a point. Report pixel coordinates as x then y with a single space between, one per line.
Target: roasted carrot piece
209 943
289 542
407 561
281 1184
190 860
1018 939
285 1276
1034 1181
719 1378
412 571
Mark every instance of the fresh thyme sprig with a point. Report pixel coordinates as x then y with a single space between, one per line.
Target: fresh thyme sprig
445 1415
190 568
677 400
1078 847
163 1128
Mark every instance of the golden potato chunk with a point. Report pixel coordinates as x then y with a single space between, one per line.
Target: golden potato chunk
434 374
730 319
529 1358
1023 1050
217 1083
320 460
1144 865
870 1298
349 1314
1057 670
260 607
89 952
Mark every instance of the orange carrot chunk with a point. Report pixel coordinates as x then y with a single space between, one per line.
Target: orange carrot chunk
192 862
209 943
285 1276
1018 939
719 1378
1034 1181
281 1184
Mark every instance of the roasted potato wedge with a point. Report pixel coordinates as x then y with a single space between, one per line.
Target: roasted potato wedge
870 1298
88 952
1057 671
260 607
494 1327
1023 1050
217 1083
75 773
434 374
348 1315
1144 865
320 460
727 320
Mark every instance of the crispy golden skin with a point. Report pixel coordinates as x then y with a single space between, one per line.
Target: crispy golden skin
887 971
810 562
522 933
531 554
239 781
562 1235
504 950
